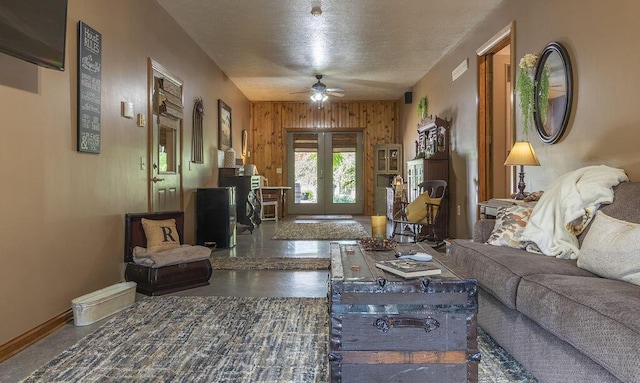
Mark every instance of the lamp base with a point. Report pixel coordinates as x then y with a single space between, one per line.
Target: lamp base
521 185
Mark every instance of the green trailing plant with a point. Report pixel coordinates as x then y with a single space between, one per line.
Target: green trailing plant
543 93
525 87
423 107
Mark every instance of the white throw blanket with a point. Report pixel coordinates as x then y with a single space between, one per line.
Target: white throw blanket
182 254
576 196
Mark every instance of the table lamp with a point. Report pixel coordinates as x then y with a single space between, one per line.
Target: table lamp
522 154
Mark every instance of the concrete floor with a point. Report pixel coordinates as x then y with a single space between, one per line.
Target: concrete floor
258 283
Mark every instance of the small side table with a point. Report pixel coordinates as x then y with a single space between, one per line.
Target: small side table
489 209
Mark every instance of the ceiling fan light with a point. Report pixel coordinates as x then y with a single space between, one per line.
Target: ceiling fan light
316 96
324 97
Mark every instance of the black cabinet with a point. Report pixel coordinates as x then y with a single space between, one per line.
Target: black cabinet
216 217
247 205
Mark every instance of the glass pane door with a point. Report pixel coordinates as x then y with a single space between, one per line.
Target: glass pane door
325 172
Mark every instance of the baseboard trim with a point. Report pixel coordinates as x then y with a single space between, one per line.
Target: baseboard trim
30 337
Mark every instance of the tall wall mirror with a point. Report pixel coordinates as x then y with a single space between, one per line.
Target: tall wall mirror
553 94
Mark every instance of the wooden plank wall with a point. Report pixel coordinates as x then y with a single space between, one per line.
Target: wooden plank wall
270 122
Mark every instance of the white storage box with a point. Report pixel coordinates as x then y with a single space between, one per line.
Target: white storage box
97 305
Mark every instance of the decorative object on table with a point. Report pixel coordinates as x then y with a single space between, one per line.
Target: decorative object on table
229 158
423 107
377 244
197 140
224 126
522 154
433 138
553 94
398 181
379 226
525 87
535 196
409 268
245 143
420 257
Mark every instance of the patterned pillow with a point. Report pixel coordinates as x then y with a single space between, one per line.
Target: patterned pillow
161 235
510 223
611 249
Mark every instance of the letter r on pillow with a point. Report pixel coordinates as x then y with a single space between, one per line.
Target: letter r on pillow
167 233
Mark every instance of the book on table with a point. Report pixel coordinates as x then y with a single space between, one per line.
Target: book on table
408 268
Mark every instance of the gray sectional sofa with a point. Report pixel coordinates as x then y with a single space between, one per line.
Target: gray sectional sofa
563 323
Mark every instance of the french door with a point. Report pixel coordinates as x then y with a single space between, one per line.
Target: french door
326 173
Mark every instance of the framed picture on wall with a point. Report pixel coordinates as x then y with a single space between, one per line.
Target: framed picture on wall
224 125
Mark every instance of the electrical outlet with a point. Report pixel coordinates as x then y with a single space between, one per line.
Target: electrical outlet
458 210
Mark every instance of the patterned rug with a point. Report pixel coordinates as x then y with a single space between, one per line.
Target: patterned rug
224 340
325 217
269 263
320 231
201 339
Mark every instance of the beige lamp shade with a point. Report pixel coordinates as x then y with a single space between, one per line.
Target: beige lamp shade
522 154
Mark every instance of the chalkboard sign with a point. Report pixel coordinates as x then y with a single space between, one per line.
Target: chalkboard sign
89 86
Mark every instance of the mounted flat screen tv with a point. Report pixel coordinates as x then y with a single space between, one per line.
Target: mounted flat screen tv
34 30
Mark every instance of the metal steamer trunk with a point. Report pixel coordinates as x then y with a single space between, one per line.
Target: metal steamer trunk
385 328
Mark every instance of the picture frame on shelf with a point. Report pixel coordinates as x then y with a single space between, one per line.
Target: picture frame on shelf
224 126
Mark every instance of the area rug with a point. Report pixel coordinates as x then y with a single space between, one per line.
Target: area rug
269 263
321 231
225 340
202 339
496 365
325 217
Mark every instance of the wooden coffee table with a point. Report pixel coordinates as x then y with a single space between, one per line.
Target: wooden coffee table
385 328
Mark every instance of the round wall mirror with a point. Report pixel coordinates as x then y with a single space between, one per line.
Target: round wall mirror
553 93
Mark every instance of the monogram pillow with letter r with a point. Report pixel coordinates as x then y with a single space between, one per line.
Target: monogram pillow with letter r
161 235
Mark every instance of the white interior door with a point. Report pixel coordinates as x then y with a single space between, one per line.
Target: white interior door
165 149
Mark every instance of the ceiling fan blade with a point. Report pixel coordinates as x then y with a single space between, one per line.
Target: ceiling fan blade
304 91
335 94
335 90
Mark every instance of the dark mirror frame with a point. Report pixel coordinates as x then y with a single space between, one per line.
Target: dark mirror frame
550 49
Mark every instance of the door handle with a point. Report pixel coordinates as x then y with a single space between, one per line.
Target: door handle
156 179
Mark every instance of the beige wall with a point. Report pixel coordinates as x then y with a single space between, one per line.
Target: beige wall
604 127
62 211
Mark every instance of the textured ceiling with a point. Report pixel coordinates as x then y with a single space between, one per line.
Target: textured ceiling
373 49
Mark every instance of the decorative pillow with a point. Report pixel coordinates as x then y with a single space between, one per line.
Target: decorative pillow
161 235
417 209
510 223
611 249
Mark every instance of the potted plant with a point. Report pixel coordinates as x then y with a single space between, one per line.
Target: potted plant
423 107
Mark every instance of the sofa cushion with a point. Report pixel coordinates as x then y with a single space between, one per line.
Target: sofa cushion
612 249
597 316
625 205
499 269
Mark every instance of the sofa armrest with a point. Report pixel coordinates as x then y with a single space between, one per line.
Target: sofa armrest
482 230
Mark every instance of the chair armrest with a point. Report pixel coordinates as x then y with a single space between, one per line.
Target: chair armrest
482 230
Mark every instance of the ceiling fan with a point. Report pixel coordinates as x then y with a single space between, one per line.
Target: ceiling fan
319 92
